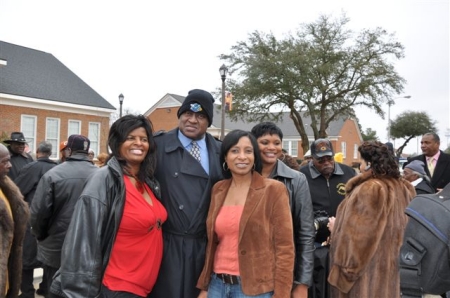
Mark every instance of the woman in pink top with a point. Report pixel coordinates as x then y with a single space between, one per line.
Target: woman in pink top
250 250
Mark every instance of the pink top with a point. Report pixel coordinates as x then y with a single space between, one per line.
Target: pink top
227 231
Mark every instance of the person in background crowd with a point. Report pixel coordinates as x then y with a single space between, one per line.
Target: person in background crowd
14 215
27 181
53 203
306 158
438 162
64 152
188 167
120 258
270 139
368 231
250 249
101 159
289 160
91 155
414 172
19 158
339 157
326 179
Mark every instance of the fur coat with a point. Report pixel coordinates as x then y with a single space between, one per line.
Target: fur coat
367 236
11 235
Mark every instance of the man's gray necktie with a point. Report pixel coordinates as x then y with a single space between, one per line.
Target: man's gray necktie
195 150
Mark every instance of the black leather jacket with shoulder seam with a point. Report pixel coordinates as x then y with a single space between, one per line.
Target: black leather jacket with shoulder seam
92 232
302 218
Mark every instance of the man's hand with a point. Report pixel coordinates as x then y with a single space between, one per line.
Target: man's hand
203 294
300 291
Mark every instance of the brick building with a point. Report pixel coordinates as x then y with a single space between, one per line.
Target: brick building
45 100
343 133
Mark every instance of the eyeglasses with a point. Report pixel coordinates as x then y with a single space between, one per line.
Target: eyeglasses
324 159
198 116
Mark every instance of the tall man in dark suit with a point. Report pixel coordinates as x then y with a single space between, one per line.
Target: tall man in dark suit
437 162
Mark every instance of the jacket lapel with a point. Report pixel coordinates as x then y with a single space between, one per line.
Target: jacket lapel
254 197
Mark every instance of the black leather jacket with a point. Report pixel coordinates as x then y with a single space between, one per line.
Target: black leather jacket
53 204
92 233
303 220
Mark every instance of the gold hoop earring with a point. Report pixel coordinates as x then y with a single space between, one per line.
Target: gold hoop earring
225 165
283 157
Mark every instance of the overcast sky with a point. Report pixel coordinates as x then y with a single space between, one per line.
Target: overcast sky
145 49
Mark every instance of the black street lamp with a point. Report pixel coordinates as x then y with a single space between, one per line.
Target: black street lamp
223 74
121 101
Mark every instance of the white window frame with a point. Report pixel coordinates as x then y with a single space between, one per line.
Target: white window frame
54 140
344 149
355 151
289 146
69 132
30 134
95 141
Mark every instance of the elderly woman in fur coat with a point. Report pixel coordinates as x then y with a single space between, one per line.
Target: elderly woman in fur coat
13 220
368 230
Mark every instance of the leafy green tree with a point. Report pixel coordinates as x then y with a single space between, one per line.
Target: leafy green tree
369 135
321 71
409 125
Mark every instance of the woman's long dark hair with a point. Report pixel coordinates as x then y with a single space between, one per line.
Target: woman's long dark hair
381 160
118 134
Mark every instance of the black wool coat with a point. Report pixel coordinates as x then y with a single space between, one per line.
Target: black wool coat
186 194
27 182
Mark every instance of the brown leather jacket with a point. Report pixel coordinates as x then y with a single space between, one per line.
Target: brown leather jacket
266 219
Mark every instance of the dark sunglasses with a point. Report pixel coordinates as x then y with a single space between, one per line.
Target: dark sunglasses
325 159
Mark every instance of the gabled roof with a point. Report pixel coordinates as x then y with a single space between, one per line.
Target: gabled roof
285 123
36 74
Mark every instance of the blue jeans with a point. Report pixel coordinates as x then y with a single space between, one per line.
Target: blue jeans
218 289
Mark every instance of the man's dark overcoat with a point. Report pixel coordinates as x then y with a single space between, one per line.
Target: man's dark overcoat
186 195
27 182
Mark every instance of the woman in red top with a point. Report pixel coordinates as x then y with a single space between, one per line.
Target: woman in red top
114 245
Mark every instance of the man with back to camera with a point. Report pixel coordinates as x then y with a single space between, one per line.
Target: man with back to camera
186 171
326 179
54 202
437 163
14 215
19 158
27 181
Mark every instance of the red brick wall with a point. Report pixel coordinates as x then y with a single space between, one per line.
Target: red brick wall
164 118
10 117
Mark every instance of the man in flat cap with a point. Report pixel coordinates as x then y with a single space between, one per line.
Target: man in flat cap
54 200
415 173
188 167
326 179
19 158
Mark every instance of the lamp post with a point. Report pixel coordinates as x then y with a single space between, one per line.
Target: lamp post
121 101
390 103
223 74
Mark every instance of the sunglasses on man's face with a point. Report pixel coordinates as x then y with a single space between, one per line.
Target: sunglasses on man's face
325 159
